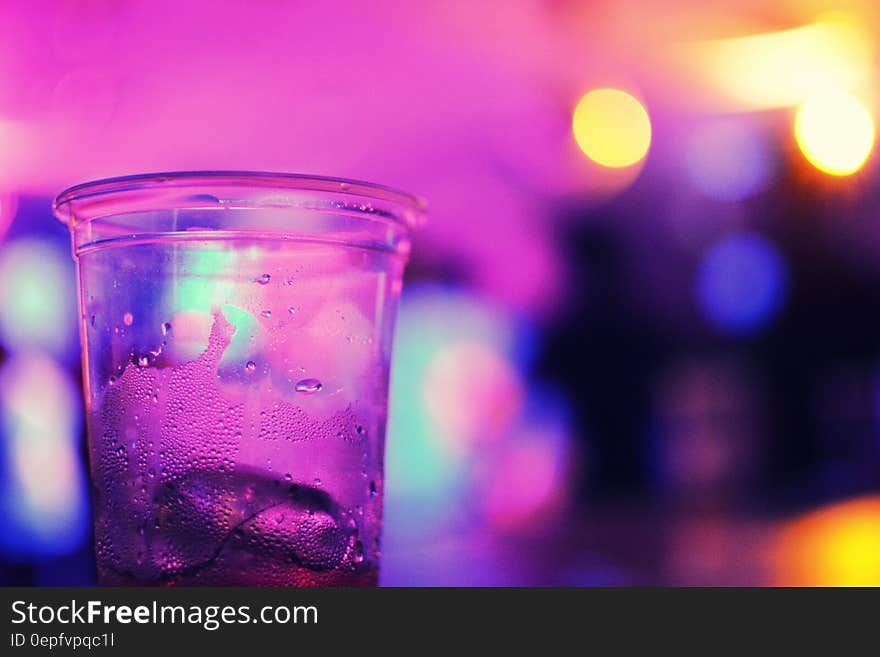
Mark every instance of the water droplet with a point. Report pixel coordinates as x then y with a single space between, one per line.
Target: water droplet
143 361
128 319
166 328
112 380
291 310
288 477
317 482
155 398
266 313
263 280
372 489
358 552
250 366
93 321
360 430
309 386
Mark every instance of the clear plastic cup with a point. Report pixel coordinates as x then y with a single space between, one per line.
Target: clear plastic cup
236 337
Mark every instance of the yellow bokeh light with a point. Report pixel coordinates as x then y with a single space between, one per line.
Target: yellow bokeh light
784 68
835 132
612 128
835 546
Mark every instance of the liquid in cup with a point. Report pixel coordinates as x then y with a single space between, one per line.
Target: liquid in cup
236 334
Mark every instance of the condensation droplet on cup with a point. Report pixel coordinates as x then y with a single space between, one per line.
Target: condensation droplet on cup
266 313
264 279
166 328
128 319
250 366
308 386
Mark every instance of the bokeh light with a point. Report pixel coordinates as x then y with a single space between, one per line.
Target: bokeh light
835 546
38 297
728 159
472 392
786 67
612 128
477 449
43 493
707 437
428 454
835 132
741 283
524 482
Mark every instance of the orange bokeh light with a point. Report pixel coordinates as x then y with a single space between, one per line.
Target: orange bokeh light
838 545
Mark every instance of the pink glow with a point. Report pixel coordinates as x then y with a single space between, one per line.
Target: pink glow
415 96
528 483
472 393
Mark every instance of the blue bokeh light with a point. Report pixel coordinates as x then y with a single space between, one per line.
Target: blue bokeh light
741 283
43 495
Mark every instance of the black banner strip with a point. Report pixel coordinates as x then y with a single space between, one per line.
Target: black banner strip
287 621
